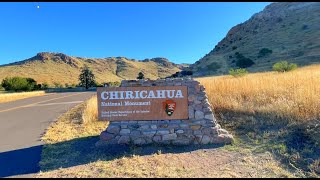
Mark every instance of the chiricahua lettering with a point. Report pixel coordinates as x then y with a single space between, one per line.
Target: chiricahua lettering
141 94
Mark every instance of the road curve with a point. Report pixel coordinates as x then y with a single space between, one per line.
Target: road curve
22 124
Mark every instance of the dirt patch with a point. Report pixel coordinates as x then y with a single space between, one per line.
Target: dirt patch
151 161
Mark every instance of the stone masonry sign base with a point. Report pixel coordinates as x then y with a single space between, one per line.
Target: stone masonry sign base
200 128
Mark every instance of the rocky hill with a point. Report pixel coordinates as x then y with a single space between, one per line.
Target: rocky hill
61 68
282 31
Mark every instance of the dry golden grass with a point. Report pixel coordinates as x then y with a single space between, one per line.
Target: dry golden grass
293 95
76 123
90 112
277 112
70 151
7 97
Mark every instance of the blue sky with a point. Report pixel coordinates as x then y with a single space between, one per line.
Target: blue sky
183 32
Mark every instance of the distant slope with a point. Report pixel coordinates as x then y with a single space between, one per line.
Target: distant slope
290 30
61 68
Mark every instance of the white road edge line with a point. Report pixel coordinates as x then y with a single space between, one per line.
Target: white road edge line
48 104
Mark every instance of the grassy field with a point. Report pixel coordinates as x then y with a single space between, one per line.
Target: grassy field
277 112
274 118
7 97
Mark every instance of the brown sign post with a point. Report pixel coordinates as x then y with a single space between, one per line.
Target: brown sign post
142 103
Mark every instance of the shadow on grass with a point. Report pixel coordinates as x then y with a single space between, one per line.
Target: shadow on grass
295 143
83 151
76 152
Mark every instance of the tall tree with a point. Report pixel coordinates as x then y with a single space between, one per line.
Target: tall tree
86 77
140 75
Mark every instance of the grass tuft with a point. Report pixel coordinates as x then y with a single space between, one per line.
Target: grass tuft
8 97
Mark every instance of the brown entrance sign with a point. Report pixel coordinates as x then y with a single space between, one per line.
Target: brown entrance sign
142 103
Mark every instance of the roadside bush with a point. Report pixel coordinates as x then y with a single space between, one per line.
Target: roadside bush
19 84
57 85
113 84
96 84
44 85
238 72
284 66
37 87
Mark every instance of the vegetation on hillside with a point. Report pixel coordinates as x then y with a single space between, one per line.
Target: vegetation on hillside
140 75
182 73
283 30
264 52
242 61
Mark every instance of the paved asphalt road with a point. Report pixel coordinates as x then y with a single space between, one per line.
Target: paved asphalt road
22 124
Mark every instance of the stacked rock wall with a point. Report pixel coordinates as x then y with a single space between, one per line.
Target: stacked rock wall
200 128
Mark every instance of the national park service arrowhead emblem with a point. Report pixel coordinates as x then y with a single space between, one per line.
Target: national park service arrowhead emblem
169 106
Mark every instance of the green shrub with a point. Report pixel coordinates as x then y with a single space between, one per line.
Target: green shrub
186 73
140 75
44 85
96 84
57 85
243 62
238 72
264 52
115 84
214 66
183 73
284 66
19 84
37 87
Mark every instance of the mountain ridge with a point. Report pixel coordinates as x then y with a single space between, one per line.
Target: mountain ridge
50 67
281 31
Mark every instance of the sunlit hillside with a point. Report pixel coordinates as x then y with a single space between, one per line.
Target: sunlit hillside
60 68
